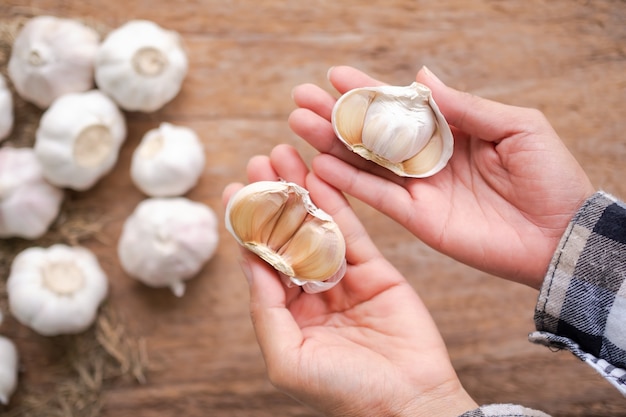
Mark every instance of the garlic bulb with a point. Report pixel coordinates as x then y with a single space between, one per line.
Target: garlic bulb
400 128
28 203
8 369
168 161
141 65
52 56
279 222
56 290
6 109
167 240
79 138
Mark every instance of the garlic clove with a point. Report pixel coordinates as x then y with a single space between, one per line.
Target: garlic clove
9 360
168 162
79 138
56 290
141 65
279 222
6 109
166 241
52 56
28 203
400 128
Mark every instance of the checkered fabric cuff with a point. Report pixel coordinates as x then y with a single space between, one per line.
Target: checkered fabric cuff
503 410
582 303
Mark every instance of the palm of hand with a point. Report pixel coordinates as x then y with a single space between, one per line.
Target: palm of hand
362 347
366 347
500 205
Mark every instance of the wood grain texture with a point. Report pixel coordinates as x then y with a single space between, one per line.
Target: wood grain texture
565 57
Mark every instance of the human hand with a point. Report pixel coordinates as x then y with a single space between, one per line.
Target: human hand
501 204
368 346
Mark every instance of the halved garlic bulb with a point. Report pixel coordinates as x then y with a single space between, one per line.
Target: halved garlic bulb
279 222
400 128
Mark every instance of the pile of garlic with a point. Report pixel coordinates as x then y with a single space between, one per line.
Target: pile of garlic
54 64
140 64
84 84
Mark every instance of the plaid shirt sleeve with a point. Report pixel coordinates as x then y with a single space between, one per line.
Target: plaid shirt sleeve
582 303
504 410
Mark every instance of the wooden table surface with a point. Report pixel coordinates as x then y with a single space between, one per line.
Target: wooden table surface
565 57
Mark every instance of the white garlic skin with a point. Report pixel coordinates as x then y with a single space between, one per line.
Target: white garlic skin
168 162
56 290
28 203
398 127
6 109
166 241
79 138
141 65
52 56
9 360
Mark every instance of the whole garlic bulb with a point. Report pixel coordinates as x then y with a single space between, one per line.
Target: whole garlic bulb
79 138
56 290
52 56
279 222
399 128
28 203
168 162
6 109
167 240
8 369
141 65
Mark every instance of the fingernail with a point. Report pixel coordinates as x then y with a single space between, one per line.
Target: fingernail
329 71
430 74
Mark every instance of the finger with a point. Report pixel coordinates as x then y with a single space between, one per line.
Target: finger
260 169
229 191
382 194
316 130
276 329
345 78
359 247
477 116
368 271
319 133
314 98
288 164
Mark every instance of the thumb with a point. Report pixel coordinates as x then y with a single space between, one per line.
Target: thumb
276 330
474 115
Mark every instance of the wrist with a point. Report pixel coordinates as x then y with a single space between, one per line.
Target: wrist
446 400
